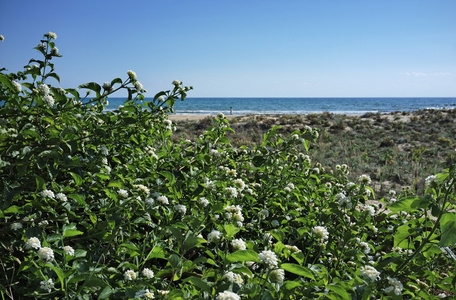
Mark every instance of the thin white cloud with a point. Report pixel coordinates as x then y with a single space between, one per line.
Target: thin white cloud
424 74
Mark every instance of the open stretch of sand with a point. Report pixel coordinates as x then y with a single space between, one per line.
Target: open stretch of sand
196 117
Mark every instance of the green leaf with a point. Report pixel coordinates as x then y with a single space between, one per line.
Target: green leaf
116 80
192 241
198 282
278 234
57 271
338 290
117 184
77 178
70 230
13 209
448 229
267 296
289 285
400 238
251 289
54 75
175 261
105 293
40 183
169 176
410 204
243 255
74 93
157 252
91 86
6 81
102 176
231 230
298 270
79 253
78 198
177 233
32 133
307 145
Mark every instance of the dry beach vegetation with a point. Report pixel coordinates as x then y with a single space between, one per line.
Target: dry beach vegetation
398 150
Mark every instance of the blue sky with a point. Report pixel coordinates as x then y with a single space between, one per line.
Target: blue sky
245 48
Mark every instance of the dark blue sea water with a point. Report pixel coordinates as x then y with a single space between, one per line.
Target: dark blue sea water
353 106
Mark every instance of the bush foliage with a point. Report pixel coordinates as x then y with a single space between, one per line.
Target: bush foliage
103 204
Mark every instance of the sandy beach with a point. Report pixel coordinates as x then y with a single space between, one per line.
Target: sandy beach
196 117
199 117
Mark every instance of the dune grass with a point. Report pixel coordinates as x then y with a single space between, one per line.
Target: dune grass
397 150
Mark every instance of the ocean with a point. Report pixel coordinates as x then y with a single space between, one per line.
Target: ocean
350 106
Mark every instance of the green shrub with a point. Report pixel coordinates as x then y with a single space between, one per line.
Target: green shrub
99 204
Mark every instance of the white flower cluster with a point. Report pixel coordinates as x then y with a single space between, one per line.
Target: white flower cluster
321 233
395 286
231 192
369 209
68 250
62 197
269 258
177 82
431 180
46 254
122 193
103 150
277 276
48 194
163 292
139 87
148 273
370 272
238 244
130 275
365 247
203 201
16 226
163 200
293 249
289 187
210 185
143 188
33 242
215 153
168 125
233 277
240 184
227 295
17 86
145 294
51 35
214 236
304 157
47 285
107 87
230 172
364 179
47 96
181 209
234 213
343 201
131 74
151 151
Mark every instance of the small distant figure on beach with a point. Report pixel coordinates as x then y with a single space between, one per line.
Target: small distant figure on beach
231 110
